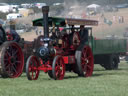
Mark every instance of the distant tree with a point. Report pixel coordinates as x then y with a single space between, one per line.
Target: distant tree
50 2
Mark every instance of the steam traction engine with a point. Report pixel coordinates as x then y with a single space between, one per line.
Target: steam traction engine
11 57
61 50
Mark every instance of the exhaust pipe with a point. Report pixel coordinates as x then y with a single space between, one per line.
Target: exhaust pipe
45 10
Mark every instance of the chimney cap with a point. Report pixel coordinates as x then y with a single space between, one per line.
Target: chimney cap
45 9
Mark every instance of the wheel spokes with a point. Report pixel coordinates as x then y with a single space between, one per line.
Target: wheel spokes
14 69
15 53
33 68
87 61
8 53
59 68
13 60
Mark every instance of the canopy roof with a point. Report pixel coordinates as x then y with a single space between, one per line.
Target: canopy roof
61 22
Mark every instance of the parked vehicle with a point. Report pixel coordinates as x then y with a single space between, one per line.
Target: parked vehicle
14 16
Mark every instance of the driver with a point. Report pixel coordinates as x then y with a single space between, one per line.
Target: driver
83 34
2 33
14 34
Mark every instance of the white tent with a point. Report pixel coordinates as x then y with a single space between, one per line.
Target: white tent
93 6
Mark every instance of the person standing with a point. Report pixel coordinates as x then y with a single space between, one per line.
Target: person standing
36 30
2 33
83 34
122 19
119 19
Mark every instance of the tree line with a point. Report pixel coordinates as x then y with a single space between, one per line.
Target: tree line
48 2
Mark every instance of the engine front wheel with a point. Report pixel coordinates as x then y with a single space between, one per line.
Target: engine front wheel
32 65
58 68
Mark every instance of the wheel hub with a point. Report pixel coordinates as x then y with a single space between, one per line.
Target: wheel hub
12 59
86 61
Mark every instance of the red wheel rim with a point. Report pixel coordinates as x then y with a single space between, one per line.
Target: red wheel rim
87 61
13 60
33 68
59 68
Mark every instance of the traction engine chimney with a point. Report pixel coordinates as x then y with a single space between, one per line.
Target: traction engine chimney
45 11
45 51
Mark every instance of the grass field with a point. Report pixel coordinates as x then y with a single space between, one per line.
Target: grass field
102 83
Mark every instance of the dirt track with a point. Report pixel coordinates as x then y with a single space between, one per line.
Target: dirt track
29 36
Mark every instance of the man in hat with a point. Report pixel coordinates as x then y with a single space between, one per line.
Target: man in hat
2 33
12 35
83 34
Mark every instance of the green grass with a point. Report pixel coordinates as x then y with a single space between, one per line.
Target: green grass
102 83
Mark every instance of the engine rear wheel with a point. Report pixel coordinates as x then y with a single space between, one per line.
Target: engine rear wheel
58 68
11 60
84 59
32 65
